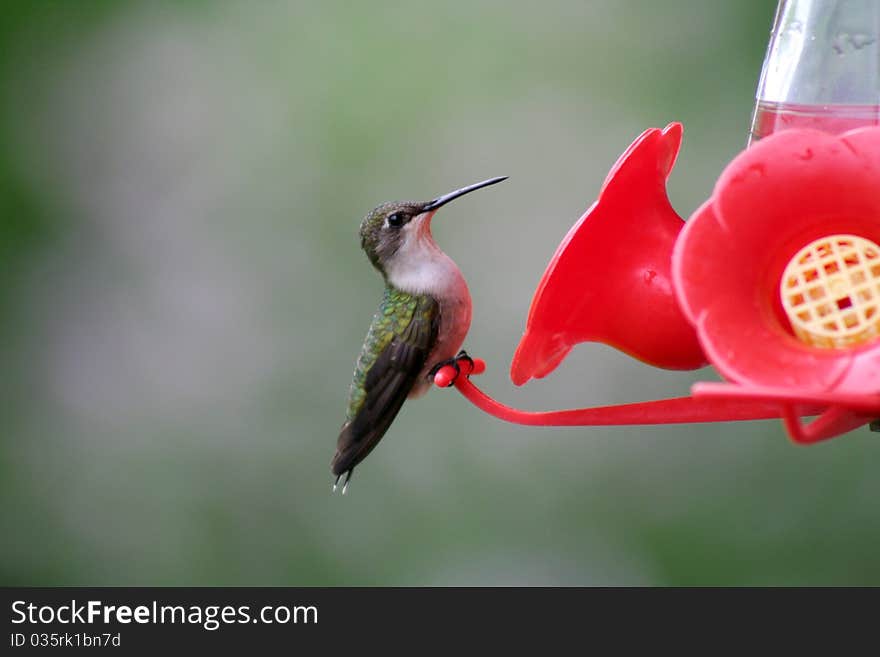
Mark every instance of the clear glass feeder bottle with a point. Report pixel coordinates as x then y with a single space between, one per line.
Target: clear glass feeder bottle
822 68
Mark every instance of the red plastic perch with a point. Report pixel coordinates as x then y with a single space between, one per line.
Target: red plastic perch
678 410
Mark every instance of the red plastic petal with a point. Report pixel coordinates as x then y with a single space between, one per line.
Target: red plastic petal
610 279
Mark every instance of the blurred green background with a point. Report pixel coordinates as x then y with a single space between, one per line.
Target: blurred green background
183 297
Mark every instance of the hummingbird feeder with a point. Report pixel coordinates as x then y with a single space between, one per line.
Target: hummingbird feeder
774 280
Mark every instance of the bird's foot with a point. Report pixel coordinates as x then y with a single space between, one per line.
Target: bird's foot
463 356
446 372
344 483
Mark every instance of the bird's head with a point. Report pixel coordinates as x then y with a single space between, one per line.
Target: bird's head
398 231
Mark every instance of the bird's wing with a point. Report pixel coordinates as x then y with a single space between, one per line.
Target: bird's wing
403 341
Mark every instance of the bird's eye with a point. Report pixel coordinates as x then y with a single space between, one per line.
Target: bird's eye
396 219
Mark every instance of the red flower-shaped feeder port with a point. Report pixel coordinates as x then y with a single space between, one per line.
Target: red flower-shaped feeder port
775 281
780 273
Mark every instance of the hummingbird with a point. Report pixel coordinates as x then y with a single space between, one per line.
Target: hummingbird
419 327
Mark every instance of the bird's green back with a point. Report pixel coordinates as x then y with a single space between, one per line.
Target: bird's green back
396 312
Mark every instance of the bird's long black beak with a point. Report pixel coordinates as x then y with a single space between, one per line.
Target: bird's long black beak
443 200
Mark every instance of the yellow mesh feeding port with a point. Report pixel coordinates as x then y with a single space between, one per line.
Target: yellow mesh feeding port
830 291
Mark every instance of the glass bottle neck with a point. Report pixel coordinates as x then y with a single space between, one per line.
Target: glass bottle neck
822 68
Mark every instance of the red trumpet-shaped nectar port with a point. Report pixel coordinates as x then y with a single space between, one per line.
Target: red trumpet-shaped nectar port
610 279
779 269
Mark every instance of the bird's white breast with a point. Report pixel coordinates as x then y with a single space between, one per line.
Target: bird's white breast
420 267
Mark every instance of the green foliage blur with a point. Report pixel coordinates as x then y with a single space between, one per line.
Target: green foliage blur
183 297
